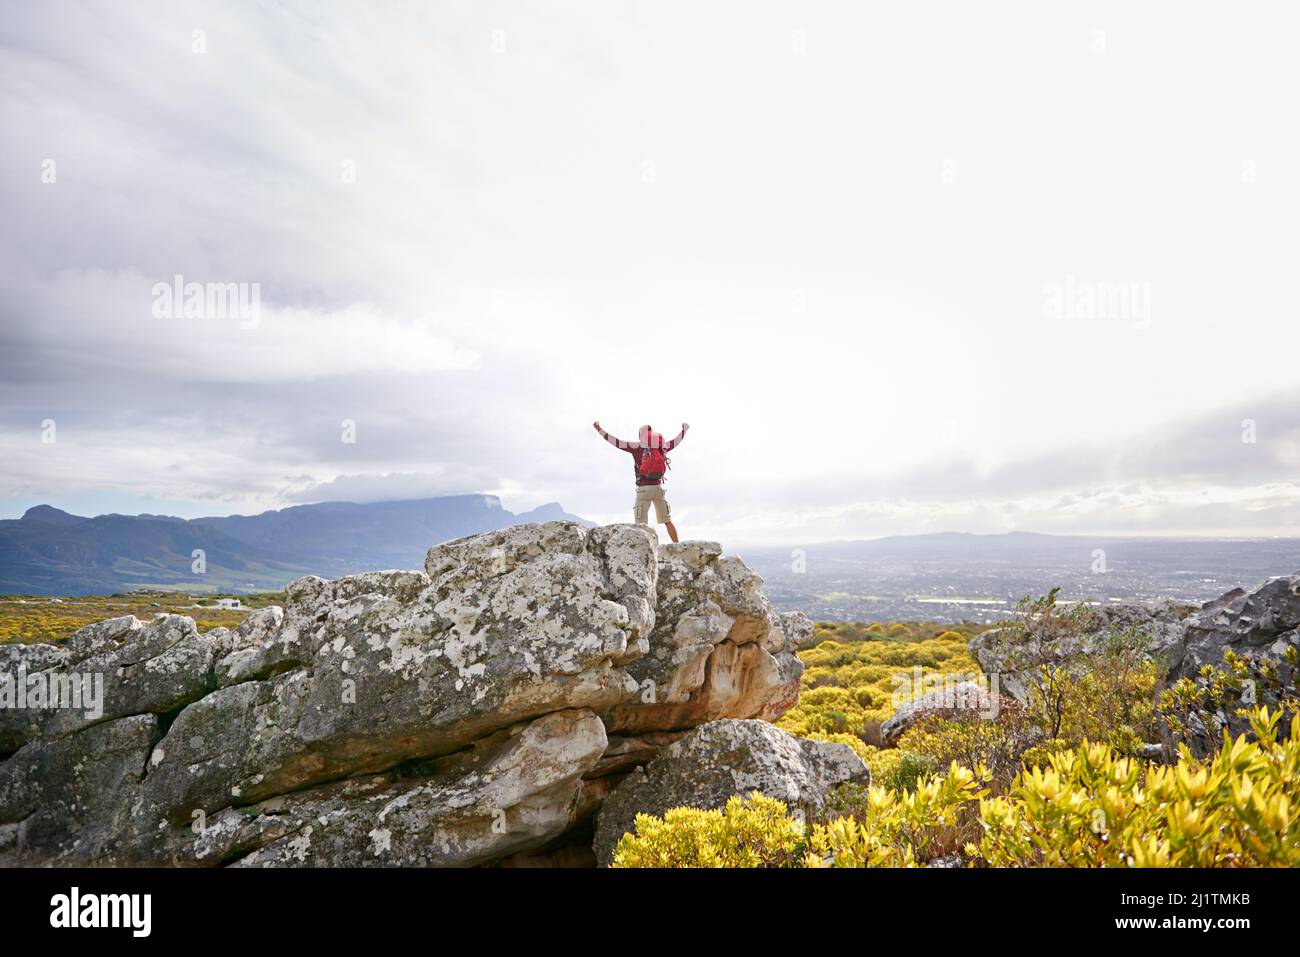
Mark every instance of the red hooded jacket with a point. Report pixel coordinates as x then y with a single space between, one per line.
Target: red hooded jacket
649 440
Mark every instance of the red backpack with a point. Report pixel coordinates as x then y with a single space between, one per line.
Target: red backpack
652 463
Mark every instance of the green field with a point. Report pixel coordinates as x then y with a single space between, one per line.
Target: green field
849 669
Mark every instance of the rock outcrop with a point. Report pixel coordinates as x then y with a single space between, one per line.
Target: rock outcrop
477 710
1259 626
1016 660
725 758
1262 623
967 697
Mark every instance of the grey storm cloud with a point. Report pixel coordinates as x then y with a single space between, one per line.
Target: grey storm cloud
396 485
1247 443
208 178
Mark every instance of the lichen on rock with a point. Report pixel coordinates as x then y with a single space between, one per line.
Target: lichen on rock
460 714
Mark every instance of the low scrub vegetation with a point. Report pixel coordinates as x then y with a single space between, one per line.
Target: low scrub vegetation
850 673
30 619
1106 764
1088 806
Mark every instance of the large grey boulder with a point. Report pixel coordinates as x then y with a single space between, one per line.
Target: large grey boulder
19 725
1016 659
967 697
716 649
387 667
1262 623
1258 625
722 759
114 668
515 789
457 714
72 800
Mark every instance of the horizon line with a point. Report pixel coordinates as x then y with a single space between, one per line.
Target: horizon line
738 544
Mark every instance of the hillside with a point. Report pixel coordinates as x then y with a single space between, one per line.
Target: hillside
51 552
48 552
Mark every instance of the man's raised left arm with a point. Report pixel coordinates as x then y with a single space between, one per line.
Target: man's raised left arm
673 443
612 439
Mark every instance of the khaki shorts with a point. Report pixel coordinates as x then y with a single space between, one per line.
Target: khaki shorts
645 494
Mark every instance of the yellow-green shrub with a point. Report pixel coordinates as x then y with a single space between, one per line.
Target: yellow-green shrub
1085 807
1091 807
31 620
1193 709
746 833
848 686
1107 695
970 741
1041 754
901 828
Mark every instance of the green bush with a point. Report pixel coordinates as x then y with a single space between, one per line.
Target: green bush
1088 806
747 833
848 686
995 744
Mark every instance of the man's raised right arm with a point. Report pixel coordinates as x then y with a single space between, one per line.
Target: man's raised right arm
616 442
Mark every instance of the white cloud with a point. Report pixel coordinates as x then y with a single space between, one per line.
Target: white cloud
857 337
103 314
395 486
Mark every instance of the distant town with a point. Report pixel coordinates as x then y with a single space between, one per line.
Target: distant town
979 578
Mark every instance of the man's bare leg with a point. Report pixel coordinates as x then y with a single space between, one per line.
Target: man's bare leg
672 530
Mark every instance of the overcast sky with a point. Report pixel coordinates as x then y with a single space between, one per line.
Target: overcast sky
904 268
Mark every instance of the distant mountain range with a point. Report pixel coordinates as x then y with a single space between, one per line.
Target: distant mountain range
51 552
942 577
